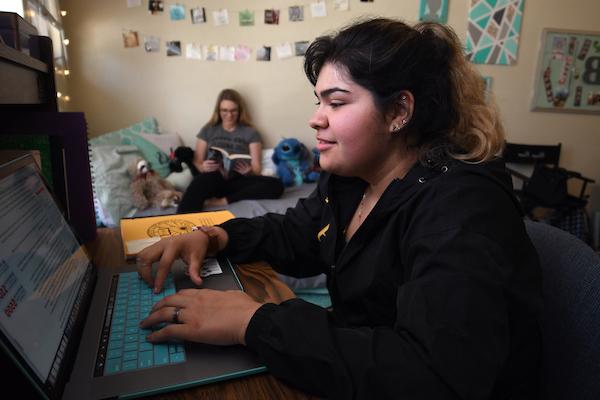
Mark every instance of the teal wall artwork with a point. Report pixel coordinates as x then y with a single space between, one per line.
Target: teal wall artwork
434 10
493 31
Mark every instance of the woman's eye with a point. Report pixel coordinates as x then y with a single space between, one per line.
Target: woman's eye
336 105
318 103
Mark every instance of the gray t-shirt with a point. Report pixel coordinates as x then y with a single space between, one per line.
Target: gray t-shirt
235 142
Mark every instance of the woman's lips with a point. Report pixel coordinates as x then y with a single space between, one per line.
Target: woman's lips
323 145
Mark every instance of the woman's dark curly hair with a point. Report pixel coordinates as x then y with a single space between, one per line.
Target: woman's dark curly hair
387 57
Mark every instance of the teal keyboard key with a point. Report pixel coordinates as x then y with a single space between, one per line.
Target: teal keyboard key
115 353
130 346
113 365
130 355
177 357
146 359
114 344
161 354
130 365
145 346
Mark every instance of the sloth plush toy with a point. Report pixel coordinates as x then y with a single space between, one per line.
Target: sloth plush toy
148 189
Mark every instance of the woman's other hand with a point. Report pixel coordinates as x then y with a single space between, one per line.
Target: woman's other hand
210 166
202 315
242 168
190 247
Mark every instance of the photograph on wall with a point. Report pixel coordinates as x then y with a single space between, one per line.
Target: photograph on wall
568 72
296 13
130 39
341 5
173 48
211 52
246 18
227 53
134 3
193 51
156 6
221 17
433 11
177 12
272 17
300 47
318 9
284 50
151 44
242 53
493 31
198 15
263 53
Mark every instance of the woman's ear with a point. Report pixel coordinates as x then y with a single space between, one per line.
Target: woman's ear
403 110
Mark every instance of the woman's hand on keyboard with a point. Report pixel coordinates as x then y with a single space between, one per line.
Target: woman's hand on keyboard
190 247
202 315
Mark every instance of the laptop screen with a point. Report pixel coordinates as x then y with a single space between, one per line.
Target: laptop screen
42 267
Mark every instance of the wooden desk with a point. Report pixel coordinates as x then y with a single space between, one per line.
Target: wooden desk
260 282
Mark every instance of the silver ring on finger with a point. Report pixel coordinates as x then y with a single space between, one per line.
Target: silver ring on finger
176 319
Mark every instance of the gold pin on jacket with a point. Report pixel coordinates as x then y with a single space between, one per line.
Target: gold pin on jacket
322 232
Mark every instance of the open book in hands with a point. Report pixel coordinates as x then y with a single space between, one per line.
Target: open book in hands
227 160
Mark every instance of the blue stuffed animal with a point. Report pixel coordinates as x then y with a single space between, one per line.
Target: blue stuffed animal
292 159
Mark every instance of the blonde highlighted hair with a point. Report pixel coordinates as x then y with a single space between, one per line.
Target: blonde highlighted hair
478 130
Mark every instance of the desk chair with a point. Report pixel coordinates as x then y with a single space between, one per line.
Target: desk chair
538 181
571 317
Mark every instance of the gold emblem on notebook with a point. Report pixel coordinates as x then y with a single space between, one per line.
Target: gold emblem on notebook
170 227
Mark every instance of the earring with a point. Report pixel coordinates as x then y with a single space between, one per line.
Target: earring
395 127
404 121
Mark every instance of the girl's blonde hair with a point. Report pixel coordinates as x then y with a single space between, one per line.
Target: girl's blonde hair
231 95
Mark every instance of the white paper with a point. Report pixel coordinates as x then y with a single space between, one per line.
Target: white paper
318 9
284 50
221 17
227 53
210 266
341 5
134 3
193 51
135 246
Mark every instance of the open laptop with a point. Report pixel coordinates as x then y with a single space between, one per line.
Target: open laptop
63 322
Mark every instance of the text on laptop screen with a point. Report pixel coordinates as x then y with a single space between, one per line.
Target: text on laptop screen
41 269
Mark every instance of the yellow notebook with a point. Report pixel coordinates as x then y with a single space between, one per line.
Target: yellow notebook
139 233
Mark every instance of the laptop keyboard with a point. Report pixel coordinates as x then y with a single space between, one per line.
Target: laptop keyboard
123 346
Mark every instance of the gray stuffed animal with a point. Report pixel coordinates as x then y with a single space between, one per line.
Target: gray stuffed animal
148 189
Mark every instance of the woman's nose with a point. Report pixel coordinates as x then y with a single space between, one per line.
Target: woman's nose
318 120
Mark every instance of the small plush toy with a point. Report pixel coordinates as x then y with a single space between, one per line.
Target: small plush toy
148 189
292 159
182 155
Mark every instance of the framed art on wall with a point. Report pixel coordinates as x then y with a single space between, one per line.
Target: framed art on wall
568 72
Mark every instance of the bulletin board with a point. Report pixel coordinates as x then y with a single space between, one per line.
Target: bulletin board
568 72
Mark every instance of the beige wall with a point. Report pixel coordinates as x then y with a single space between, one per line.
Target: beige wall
115 86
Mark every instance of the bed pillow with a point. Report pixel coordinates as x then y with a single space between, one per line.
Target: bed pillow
166 142
136 135
111 180
268 166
